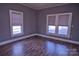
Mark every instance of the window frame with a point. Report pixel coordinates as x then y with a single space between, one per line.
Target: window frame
11 25
56 24
47 26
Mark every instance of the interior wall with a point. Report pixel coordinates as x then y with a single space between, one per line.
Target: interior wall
73 8
35 21
29 20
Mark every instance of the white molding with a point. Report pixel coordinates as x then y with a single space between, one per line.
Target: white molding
59 14
54 38
16 39
70 24
60 39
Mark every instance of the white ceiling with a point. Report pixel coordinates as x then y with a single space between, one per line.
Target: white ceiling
38 6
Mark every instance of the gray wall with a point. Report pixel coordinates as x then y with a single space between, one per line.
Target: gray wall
35 21
60 9
29 20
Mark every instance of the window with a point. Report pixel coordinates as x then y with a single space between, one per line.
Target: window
16 23
51 24
51 29
59 24
16 29
63 30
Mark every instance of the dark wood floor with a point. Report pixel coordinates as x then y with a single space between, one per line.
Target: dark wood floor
38 46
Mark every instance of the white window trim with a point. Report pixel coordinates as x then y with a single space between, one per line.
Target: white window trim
69 24
10 13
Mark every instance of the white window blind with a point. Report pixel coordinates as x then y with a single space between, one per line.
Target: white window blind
51 20
16 19
63 20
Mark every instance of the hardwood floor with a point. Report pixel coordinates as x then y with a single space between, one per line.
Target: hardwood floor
38 46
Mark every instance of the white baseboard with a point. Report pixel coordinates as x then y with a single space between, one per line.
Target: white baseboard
60 39
54 38
16 39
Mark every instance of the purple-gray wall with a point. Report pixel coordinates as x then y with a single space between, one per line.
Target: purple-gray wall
29 20
74 8
35 21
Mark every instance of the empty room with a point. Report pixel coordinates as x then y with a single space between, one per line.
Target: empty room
39 29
